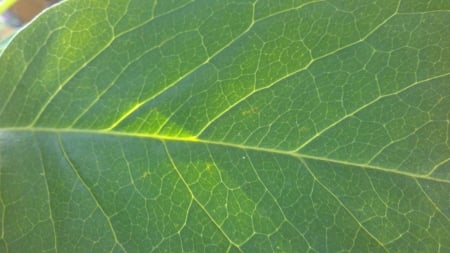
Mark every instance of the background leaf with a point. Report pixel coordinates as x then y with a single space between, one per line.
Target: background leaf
237 126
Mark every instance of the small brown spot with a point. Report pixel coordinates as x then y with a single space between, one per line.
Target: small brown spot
304 130
252 110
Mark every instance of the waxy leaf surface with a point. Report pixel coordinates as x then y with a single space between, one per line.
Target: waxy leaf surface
227 126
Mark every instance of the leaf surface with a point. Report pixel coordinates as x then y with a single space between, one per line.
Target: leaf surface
227 126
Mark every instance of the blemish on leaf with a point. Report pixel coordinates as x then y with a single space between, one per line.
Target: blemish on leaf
251 111
209 166
303 130
145 175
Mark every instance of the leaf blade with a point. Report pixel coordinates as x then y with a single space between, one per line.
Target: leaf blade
238 126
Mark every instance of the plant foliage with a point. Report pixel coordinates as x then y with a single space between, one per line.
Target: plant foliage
227 126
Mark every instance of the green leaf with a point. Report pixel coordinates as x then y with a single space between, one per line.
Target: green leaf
227 126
